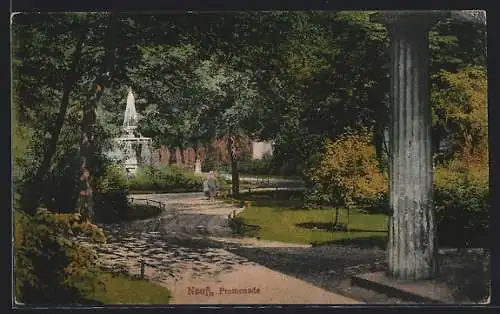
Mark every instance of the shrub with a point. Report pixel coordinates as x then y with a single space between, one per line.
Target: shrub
378 204
50 268
165 179
114 178
257 166
145 178
461 202
111 195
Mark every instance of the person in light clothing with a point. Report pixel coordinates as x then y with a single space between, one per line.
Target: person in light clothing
212 186
206 190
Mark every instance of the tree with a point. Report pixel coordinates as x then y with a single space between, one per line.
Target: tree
68 52
232 98
33 55
166 80
348 171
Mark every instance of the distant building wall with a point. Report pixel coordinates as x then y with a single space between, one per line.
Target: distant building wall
261 149
217 150
186 158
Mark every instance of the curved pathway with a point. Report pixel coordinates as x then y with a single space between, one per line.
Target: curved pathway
188 249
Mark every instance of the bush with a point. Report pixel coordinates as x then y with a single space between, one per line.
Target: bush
460 111
111 195
257 166
378 204
114 178
165 179
50 268
461 202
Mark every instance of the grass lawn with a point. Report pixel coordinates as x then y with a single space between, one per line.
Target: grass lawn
121 289
283 219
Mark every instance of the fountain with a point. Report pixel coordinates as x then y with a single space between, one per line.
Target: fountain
132 148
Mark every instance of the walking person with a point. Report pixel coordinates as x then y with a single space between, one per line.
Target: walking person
212 186
206 190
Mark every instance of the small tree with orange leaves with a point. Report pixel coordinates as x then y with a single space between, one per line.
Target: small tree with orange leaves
348 171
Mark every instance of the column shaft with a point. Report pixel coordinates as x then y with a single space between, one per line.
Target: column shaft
412 245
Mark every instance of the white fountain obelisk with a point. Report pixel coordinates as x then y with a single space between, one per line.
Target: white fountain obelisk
134 150
129 127
130 118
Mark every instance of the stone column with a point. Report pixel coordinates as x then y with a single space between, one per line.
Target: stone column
412 244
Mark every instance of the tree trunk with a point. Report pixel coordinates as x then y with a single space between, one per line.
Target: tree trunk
336 218
84 199
181 149
172 158
196 152
379 140
85 194
31 195
348 217
235 176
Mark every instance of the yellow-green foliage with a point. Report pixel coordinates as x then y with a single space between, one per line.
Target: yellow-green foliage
461 108
349 170
475 173
50 267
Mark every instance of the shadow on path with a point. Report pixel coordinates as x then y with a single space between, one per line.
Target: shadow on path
466 274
